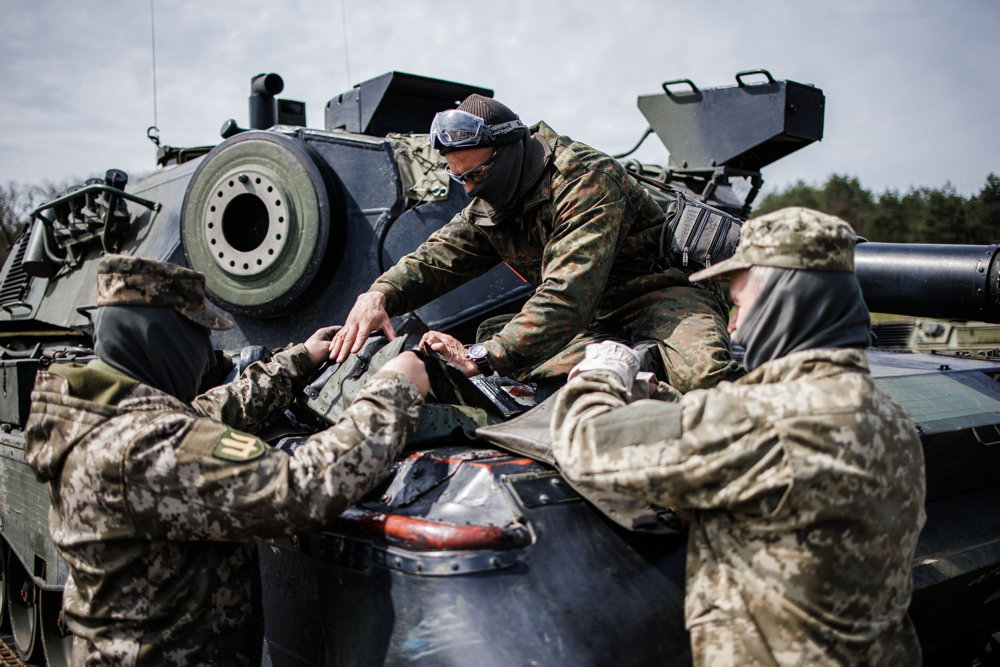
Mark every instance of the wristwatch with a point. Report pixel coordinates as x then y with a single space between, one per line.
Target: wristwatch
480 357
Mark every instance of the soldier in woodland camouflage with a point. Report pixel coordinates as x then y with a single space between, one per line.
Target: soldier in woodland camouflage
156 492
802 481
569 220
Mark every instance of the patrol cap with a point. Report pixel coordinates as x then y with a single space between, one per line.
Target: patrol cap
791 238
123 280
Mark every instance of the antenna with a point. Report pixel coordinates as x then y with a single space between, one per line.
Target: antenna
347 54
153 131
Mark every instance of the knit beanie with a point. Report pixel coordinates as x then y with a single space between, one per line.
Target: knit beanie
493 113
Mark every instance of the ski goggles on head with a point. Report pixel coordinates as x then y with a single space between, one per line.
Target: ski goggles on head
460 129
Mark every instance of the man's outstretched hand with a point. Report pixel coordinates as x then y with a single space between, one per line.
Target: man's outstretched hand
367 315
318 345
451 349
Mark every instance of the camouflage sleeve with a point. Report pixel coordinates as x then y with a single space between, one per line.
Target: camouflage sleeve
450 257
589 225
250 402
217 483
707 451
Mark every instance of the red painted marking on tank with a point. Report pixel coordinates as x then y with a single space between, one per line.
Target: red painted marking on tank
426 535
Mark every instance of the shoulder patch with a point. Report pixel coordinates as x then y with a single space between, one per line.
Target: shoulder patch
235 446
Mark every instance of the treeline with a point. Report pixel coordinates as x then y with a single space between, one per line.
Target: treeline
922 215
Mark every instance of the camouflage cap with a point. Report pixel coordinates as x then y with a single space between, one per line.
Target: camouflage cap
792 238
123 280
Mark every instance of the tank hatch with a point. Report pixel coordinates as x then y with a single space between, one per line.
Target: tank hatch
395 102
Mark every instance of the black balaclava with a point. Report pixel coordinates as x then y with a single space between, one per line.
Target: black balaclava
798 310
499 187
157 346
535 159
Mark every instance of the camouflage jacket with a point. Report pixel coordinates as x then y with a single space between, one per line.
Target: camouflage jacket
580 231
154 500
804 485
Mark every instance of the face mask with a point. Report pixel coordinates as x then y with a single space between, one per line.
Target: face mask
499 186
803 310
157 346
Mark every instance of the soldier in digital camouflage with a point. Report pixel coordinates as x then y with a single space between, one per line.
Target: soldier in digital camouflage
570 221
803 483
156 492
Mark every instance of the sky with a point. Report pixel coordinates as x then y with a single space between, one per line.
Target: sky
911 89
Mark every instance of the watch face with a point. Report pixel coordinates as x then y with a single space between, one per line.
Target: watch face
477 351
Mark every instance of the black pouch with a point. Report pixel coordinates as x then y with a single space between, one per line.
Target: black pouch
696 235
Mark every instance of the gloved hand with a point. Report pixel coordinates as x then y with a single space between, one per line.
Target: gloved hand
608 355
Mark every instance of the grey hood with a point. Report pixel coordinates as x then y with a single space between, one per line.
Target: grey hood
799 310
157 346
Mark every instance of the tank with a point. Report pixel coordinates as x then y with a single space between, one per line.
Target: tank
474 550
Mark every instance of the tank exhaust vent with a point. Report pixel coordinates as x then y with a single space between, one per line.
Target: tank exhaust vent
15 283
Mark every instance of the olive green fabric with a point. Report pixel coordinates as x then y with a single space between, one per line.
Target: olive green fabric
421 169
97 381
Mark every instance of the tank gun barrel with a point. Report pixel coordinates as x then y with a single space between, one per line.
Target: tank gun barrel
958 282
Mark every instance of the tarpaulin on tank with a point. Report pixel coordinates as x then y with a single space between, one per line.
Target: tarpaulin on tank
528 435
419 170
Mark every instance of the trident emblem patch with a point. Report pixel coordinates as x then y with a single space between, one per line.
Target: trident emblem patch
235 446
